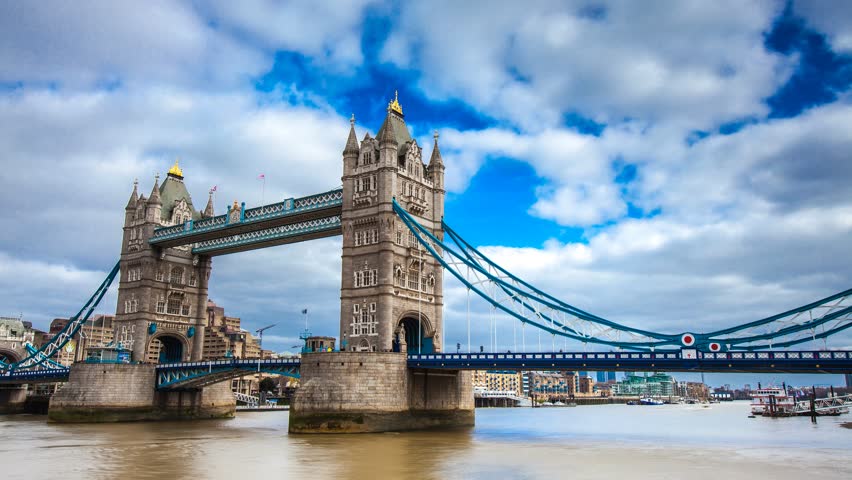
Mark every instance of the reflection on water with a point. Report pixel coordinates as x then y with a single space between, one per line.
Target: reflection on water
607 441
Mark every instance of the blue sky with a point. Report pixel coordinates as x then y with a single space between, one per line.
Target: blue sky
669 165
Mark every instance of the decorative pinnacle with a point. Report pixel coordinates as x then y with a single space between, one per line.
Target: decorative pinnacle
435 135
352 120
394 105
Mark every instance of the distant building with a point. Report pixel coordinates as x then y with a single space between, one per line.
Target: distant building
849 380
224 338
554 383
96 332
603 377
499 381
587 384
693 390
658 384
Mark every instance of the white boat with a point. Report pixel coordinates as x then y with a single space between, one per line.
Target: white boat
650 401
772 401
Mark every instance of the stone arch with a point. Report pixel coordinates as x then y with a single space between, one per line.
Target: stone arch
363 345
417 342
9 356
167 347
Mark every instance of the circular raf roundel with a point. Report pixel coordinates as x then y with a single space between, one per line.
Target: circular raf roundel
715 347
687 339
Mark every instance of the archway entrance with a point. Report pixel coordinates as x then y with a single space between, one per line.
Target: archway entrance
165 349
7 357
417 339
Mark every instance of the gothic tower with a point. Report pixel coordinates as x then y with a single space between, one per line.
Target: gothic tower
391 288
162 293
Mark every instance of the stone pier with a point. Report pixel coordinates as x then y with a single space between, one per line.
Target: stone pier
126 393
360 392
12 398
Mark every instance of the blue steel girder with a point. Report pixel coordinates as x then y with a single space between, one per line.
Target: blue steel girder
280 235
529 305
175 376
37 358
668 361
45 375
289 212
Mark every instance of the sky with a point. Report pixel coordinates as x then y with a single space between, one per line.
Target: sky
671 165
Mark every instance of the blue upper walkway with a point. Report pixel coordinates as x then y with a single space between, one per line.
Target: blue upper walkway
290 221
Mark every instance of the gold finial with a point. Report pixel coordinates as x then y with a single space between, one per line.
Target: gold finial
394 105
236 206
352 120
435 136
175 170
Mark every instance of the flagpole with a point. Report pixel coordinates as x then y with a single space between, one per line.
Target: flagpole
262 190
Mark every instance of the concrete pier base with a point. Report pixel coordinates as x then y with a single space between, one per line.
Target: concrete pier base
12 398
361 392
126 393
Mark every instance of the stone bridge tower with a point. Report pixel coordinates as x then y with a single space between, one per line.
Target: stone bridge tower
162 293
391 299
391 289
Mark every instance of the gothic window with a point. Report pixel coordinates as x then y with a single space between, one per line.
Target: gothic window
356 308
193 280
174 305
161 306
399 236
160 275
185 310
412 240
133 234
176 276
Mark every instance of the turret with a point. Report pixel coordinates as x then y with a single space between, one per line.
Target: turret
436 174
155 205
352 150
208 210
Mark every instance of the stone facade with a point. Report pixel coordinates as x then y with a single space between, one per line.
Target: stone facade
388 280
122 392
355 392
162 293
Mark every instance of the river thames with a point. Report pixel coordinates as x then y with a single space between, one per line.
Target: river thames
596 442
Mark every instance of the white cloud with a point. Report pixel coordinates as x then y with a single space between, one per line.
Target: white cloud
529 64
829 17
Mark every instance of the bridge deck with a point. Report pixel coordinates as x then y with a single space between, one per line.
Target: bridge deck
292 211
199 374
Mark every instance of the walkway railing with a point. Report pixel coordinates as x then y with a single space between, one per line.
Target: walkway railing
263 213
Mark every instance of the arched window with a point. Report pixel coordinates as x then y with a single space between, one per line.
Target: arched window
176 276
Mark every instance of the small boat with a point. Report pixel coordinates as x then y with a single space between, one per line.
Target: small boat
650 401
772 402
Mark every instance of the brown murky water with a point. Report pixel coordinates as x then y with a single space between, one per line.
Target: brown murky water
595 442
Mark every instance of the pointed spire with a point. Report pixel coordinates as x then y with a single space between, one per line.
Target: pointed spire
208 210
386 132
134 197
352 143
154 198
436 153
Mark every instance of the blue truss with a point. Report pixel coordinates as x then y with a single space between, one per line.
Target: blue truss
173 376
37 358
295 230
532 306
287 208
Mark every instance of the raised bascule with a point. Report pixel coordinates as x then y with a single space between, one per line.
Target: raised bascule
390 372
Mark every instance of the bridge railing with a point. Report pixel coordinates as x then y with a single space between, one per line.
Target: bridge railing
291 206
777 355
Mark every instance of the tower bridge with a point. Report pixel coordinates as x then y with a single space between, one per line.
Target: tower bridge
390 372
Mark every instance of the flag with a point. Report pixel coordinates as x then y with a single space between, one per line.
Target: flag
305 311
214 188
261 176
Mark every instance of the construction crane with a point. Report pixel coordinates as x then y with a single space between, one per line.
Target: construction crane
259 333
